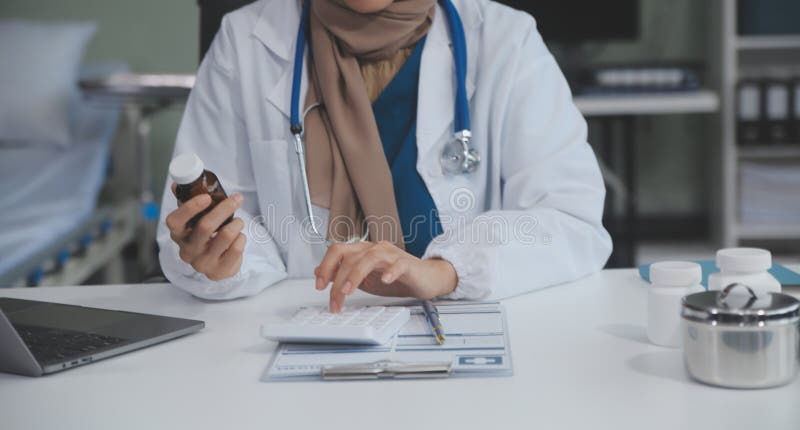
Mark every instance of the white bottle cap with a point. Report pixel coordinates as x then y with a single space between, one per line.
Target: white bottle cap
675 274
186 168
744 259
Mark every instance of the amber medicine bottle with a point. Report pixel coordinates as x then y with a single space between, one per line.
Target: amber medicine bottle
192 179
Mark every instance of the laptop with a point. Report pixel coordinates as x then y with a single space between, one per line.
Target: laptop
38 338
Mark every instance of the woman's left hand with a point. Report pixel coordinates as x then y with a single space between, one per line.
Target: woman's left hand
384 270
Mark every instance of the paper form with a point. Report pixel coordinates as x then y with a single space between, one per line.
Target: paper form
477 343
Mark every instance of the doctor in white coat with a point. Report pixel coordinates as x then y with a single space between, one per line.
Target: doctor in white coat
529 216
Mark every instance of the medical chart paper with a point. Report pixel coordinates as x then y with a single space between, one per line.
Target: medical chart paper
476 345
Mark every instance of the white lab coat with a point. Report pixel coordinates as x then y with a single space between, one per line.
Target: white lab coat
530 217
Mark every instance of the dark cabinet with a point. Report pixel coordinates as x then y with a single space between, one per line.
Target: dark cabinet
211 13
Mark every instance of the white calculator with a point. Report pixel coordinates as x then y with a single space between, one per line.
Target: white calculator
368 325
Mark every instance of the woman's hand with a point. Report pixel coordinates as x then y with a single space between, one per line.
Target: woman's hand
384 270
216 254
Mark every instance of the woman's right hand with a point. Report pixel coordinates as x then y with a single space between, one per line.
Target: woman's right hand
216 254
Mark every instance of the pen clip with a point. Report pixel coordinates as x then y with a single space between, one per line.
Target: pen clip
432 315
386 369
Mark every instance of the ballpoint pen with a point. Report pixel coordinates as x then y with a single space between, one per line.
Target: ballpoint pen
432 315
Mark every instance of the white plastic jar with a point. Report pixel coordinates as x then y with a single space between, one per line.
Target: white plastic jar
670 282
747 266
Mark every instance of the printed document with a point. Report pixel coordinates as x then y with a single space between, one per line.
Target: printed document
476 344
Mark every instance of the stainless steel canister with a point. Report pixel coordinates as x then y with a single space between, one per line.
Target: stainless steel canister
736 338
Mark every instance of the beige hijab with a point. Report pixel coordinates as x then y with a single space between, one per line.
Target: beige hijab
348 171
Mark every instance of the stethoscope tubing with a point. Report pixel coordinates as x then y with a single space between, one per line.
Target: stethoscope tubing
462 117
461 120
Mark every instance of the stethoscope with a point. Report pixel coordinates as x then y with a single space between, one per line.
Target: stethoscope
458 156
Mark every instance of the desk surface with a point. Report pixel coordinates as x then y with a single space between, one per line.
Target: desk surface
581 360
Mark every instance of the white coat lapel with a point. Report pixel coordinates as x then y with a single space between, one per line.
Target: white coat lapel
436 105
276 29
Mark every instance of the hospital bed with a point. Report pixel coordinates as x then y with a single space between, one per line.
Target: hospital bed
55 229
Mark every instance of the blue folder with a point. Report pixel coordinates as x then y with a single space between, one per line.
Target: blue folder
787 277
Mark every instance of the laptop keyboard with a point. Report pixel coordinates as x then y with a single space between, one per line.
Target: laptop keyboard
51 345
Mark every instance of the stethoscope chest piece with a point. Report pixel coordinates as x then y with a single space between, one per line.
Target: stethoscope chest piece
458 157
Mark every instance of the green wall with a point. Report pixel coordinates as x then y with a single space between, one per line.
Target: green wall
161 36
151 36
673 150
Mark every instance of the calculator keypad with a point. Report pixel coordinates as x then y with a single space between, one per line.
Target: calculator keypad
376 316
371 325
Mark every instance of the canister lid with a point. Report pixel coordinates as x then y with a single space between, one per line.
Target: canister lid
737 304
675 273
186 168
744 259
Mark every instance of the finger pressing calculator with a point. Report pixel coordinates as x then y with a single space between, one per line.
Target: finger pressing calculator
367 325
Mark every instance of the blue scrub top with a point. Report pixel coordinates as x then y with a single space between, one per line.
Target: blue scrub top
396 114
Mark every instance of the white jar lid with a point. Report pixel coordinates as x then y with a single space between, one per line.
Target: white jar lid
186 168
675 274
744 259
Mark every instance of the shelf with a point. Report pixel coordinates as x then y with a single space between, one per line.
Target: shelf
769 151
650 251
768 42
701 101
769 231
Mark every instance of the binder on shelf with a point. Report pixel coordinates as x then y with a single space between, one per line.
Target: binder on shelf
768 193
748 112
633 79
794 126
776 104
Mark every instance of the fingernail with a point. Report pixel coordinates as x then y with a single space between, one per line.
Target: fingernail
334 307
386 278
205 199
238 198
320 283
348 287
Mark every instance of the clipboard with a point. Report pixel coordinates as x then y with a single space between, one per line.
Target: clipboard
477 345
386 370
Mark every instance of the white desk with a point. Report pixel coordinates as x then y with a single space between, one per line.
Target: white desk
581 360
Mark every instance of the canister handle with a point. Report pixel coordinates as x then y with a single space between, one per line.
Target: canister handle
721 300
